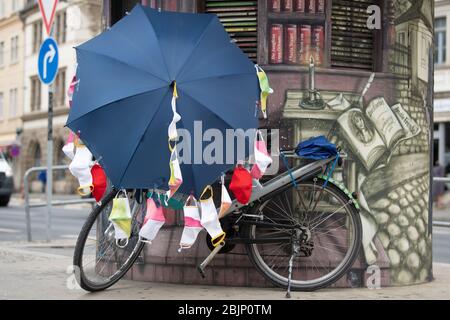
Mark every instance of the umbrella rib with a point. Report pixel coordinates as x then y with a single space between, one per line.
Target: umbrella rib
196 46
143 134
115 101
156 36
123 62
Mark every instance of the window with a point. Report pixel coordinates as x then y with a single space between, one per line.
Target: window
14 49
2 8
37 156
352 43
13 103
60 27
240 20
37 35
16 5
2 53
35 94
60 87
441 41
1 105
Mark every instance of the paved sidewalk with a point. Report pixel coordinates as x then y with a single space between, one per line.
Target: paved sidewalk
42 271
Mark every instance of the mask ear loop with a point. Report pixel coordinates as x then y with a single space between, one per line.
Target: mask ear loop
194 200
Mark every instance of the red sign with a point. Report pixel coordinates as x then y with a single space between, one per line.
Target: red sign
48 9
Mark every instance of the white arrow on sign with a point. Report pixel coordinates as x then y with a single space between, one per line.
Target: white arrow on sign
48 8
48 58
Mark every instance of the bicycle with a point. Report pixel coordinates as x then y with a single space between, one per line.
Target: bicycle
301 230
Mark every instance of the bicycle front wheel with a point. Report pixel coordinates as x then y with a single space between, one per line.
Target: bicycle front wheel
321 250
99 262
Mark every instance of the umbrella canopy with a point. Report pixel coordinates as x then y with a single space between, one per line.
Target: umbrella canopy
122 104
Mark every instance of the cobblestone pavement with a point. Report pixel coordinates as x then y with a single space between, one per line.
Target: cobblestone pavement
42 271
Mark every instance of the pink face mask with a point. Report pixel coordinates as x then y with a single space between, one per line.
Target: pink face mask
262 157
153 221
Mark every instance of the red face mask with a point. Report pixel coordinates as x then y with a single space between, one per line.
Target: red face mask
241 184
99 182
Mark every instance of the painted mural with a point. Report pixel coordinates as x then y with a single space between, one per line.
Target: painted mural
362 76
385 132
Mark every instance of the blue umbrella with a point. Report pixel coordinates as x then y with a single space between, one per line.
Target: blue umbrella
122 104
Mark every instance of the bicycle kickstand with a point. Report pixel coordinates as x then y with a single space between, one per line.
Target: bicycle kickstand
204 264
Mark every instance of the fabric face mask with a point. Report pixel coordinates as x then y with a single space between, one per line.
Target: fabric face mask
192 224
153 221
79 167
99 182
265 88
225 199
262 157
176 178
241 184
121 219
210 219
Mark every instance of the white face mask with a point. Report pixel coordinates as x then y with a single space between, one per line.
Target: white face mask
210 219
69 150
192 225
225 199
153 221
80 168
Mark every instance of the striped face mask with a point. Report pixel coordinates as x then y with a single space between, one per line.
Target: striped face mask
153 221
176 178
262 157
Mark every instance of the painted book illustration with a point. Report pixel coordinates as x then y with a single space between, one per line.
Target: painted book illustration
376 132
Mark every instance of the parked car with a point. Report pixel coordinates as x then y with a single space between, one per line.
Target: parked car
6 182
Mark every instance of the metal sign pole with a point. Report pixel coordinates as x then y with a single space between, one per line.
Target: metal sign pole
50 158
49 161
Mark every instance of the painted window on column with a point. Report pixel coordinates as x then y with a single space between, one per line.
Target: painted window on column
240 19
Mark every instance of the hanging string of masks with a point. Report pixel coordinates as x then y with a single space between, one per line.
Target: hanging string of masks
198 214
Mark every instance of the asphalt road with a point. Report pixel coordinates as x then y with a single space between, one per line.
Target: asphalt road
66 224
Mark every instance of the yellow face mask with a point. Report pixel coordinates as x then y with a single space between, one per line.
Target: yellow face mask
265 89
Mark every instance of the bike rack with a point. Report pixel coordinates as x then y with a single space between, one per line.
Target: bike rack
28 206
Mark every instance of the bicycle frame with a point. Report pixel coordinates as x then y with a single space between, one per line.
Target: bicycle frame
299 173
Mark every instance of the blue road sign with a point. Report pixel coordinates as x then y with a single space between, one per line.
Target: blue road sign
48 61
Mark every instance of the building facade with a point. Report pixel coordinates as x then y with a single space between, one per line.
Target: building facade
442 84
75 22
11 81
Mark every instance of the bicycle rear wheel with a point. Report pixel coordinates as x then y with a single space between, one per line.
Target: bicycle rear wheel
98 261
331 223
